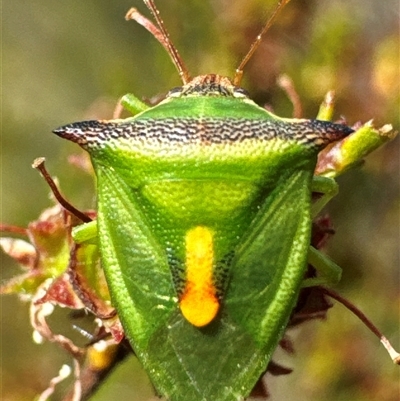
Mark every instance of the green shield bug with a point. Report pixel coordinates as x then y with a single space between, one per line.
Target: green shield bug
204 222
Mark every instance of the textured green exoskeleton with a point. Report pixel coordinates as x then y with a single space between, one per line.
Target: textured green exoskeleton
204 222
204 228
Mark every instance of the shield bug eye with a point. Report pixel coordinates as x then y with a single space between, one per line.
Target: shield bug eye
240 93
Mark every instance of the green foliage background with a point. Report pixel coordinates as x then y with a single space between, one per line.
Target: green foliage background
71 60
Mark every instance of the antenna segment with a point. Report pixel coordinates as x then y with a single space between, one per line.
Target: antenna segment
239 71
161 34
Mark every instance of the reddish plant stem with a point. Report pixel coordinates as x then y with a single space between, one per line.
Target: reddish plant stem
39 165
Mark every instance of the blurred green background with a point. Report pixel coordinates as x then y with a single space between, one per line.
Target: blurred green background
71 60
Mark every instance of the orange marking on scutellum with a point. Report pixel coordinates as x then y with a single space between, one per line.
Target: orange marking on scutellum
199 302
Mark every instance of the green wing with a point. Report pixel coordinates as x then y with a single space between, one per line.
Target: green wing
224 360
136 266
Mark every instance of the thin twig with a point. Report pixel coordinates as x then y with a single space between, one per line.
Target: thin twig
39 165
346 303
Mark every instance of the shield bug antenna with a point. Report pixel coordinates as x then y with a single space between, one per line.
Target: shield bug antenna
239 71
161 34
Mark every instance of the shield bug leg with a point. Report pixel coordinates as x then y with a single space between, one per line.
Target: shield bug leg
329 272
328 187
85 232
131 103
